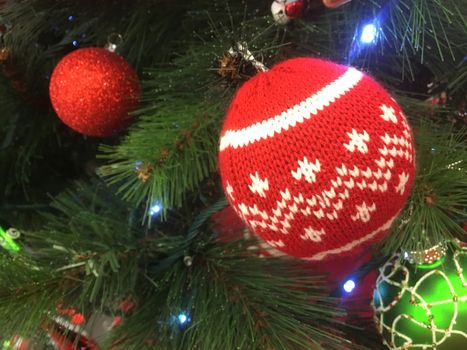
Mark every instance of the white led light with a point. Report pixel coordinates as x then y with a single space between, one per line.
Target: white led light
369 34
155 209
349 286
182 318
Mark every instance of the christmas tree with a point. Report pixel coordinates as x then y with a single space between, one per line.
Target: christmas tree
225 174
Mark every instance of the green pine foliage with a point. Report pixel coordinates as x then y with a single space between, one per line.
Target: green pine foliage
176 138
438 201
92 255
91 244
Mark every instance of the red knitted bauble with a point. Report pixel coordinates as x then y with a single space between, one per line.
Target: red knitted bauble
316 158
93 90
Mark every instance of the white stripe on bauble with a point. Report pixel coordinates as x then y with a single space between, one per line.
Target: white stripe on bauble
294 115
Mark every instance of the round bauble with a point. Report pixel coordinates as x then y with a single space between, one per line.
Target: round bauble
317 158
92 91
283 11
423 306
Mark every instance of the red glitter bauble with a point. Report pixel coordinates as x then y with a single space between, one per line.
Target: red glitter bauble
93 90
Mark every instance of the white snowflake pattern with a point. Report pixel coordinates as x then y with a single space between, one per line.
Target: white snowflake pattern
357 141
388 114
259 185
229 189
403 179
364 212
312 235
276 244
307 169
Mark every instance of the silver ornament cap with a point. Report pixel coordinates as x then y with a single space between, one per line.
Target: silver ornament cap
278 12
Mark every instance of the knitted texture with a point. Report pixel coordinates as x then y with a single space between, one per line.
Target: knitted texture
316 158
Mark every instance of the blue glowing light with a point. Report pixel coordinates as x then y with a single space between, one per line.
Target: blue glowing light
75 43
369 34
182 318
70 18
155 209
349 286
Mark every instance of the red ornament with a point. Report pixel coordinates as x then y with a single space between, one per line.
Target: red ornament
285 10
127 305
75 317
93 90
317 158
295 9
117 321
68 341
334 3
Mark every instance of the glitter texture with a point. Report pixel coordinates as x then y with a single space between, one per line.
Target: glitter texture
92 90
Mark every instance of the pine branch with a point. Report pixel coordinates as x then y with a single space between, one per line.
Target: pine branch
222 293
91 256
165 170
95 250
27 294
172 147
457 80
42 31
410 33
85 256
439 196
26 135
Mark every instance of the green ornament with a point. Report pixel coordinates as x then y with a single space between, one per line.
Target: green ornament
7 242
7 345
423 306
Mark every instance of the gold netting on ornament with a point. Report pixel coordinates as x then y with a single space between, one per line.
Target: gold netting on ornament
416 298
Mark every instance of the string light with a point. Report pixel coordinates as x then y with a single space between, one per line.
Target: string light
182 318
349 286
369 34
365 36
155 209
